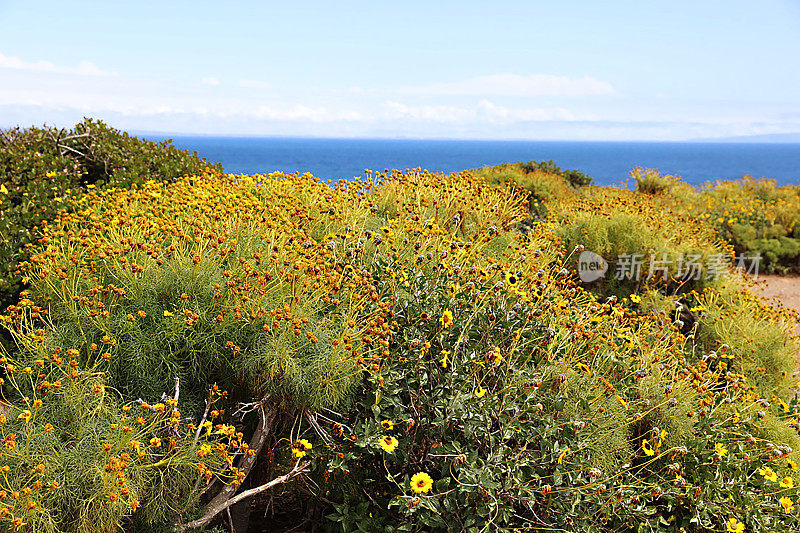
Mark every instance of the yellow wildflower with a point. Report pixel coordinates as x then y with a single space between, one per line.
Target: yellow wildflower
648 450
511 279
734 526
421 482
447 319
768 474
299 448
388 443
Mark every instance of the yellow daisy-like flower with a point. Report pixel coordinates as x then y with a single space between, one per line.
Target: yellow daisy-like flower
720 449
512 279
768 474
388 443
496 356
648 450
787 504
480 392
226 430
299 448
792 465
421 482
783 405
447 319
24 415
734 526
387 425
635 298
167 313
787 482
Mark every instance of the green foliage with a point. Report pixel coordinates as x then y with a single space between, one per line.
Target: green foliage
75 459
755 216
401 329
41 167
626 239
576 178
517 423
731 323
651 181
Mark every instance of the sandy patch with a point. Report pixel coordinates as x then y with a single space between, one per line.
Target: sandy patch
786 290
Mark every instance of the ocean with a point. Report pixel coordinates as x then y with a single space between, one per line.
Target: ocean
607 163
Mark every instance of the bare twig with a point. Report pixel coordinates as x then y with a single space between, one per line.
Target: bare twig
230 520
205 416
70 137
143 403
74 150
245 408
324 435
299 468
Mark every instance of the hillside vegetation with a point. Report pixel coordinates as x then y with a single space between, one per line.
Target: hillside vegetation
403 352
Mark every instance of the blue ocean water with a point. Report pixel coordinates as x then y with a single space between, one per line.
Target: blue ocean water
607 162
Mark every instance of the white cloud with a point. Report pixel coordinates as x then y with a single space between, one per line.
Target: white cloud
35 92
516 85
84 68
303 113
432 113
254 84
482 112
498 113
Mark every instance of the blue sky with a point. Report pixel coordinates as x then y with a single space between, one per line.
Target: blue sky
614 70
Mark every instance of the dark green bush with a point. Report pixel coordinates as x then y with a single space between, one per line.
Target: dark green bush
574 177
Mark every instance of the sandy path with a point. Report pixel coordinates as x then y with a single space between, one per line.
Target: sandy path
786 290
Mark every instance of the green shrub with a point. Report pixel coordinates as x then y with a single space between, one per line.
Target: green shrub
41 167
426 365
576 178
632 244
77 458
734 326
755 216
650 181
